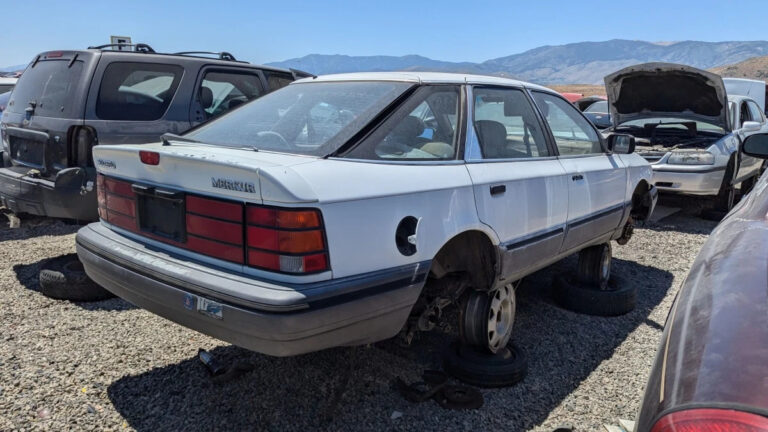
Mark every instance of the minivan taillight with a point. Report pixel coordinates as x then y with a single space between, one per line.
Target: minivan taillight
286 240
711 420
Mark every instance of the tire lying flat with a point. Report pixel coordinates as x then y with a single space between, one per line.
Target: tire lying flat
64 278
505 368
617 299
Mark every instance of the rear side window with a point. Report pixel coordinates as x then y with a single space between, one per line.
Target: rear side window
51 86
137 91
222 91
277 80
506 125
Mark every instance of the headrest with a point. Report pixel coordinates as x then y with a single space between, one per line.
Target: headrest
489 130
206 97
409 127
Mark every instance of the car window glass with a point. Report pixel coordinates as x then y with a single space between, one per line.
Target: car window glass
136 91
423 128
222 91
506 125
573 133
745 114
754 112
278 80
6 88
50 85
311 118
598 107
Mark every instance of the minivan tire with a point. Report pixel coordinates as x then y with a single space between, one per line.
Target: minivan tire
505 368
64 278
617 299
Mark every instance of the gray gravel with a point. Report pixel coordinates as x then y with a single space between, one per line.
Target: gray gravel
108 365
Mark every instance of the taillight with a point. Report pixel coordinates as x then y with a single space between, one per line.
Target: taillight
285 240
215 228
149 157
711 420
117 202
82 140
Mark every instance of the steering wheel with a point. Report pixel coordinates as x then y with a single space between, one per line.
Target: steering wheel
272 137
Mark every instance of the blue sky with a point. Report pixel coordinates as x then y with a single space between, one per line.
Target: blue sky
446 30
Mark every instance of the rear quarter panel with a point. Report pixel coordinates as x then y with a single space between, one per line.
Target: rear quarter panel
362 215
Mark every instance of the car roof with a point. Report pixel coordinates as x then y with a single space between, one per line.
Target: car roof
8 80
187 57
426 78
739 98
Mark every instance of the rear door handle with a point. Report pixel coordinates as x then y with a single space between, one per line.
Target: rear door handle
577 177
498 189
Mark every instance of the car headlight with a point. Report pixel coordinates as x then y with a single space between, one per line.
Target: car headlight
691 158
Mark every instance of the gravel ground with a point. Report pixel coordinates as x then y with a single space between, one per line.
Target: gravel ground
108 365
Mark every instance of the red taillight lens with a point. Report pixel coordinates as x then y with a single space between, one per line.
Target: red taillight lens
101 194
117 202
289 241
711 420
149 157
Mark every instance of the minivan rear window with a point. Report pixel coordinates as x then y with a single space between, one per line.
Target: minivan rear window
137 91
50 85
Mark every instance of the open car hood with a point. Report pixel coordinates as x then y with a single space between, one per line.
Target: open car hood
667 90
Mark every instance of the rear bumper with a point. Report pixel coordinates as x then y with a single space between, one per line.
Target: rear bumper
694 181
275 319
43 197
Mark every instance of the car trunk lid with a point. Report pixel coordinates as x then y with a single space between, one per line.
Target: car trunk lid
236 173
666 90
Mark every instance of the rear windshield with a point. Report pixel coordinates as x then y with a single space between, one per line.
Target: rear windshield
314 118
51 86
137 91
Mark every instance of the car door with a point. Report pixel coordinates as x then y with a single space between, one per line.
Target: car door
521 191
748 165
597 181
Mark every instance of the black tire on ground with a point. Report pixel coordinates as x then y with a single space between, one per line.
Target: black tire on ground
595 265
505 368
617 299
64 278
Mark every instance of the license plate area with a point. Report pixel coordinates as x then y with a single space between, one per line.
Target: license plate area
27 151
161 213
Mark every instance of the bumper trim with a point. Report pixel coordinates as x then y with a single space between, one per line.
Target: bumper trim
329 293
692 171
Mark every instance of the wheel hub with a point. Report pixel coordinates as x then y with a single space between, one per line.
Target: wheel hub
501 317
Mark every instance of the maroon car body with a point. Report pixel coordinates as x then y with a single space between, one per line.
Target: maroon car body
713 357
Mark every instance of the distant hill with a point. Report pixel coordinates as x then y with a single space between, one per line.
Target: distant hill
754 68
582 62
13 68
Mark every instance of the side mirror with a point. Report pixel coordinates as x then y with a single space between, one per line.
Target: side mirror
756 145
750 126
621 143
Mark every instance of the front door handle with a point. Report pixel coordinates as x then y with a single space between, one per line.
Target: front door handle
577 177
498 189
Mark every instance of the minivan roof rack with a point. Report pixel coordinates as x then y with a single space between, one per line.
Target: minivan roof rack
223 55
139 47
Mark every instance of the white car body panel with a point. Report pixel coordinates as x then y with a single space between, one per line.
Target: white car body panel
361 203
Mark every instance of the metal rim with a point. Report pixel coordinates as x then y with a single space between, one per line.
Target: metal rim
501 317
605 267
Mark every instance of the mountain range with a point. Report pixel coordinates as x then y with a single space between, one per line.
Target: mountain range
582 62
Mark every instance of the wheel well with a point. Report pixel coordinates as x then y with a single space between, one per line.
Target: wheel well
641 201
471 253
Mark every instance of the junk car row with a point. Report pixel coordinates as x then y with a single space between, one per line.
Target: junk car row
288 213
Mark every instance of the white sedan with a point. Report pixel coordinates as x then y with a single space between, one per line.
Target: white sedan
329 212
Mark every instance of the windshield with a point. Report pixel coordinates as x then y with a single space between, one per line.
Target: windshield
598 107
313 118
700 126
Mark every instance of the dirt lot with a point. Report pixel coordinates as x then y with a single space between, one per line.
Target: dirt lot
108 365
